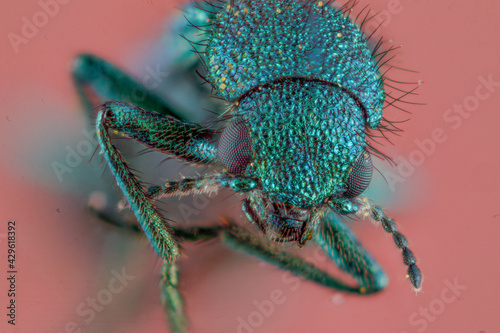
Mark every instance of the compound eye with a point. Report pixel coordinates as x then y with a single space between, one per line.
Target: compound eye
360 176
235 146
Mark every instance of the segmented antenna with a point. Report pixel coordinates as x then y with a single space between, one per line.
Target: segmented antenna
408 258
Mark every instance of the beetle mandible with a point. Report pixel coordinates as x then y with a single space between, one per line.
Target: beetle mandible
303 89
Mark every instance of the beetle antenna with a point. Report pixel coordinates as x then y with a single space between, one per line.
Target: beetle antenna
408 258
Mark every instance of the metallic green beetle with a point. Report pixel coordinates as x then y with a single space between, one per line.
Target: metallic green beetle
302 88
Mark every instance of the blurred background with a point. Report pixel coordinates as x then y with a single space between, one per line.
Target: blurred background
444 193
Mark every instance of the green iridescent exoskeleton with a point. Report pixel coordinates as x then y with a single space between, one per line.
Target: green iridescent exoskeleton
255 42
302 88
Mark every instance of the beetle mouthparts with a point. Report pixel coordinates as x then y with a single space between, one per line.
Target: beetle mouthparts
286 223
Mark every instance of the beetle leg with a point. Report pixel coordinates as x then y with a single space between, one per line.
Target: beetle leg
186 141
171 298
108 82
190 234
338 242
245 241
186 186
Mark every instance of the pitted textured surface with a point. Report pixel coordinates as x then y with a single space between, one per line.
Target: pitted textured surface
306 136
256 42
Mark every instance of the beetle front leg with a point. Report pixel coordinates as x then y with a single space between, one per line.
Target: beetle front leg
338 242
245 241
171 298
186 141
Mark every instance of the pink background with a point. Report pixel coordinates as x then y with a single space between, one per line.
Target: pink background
448 206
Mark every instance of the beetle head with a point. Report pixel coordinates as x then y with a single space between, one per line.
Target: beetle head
302 152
